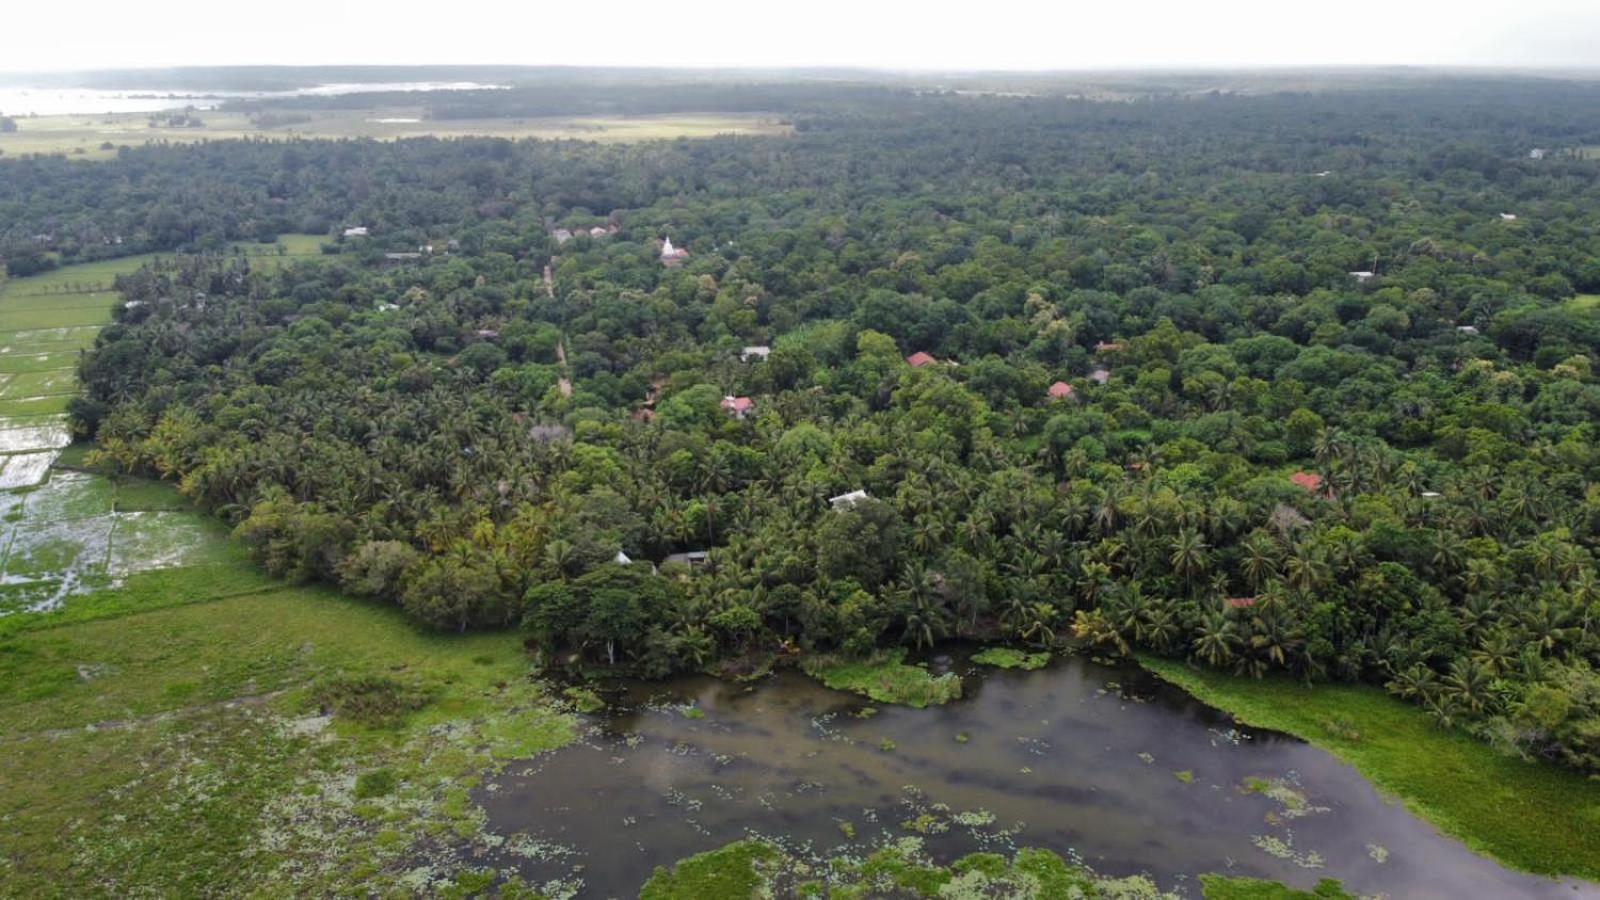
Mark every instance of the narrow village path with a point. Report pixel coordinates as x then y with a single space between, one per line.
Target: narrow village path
561 354
561 345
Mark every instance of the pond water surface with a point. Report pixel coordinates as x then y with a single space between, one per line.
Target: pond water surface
1104 765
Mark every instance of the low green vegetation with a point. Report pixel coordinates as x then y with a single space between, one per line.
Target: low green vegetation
886 678
585 700
756 868
737 870
320 739
152 589
1011 658
1527 815
1221 887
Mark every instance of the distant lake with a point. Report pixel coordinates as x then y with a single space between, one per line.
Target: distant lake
53 101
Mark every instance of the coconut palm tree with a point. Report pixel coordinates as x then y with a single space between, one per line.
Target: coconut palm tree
1306 569
1468 685
1189 558
1217 640
1258 560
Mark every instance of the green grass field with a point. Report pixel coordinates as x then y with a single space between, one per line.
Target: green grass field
85 135
1585 302
1530 816
179 751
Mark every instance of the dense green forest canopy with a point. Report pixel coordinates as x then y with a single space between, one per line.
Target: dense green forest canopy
1265 463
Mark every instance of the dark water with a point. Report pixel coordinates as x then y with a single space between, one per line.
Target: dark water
1079 758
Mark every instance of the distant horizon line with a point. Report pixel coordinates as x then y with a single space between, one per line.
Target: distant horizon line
1146 68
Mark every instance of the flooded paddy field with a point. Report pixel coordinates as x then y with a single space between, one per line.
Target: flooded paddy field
65 532
79 532
1102 764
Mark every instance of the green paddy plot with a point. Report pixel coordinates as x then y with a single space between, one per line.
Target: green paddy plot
42 383
14 318
76 278
70 495
33 359
163 540
33 343
28 596
34 406
287 249
140 495
41 299
58 550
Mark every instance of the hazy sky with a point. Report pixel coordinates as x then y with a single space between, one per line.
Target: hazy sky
927 34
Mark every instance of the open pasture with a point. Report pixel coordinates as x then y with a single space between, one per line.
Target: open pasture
98 137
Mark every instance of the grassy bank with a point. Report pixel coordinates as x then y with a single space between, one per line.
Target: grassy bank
187 750
1530 816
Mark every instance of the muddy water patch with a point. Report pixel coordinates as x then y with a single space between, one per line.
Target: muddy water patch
26 469
44 436
1079 758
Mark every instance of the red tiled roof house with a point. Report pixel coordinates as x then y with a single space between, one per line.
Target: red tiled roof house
1310 481
738 406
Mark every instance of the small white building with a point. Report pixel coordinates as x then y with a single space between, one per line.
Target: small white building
672 256
692 559
1468 330
561 235
1363 277
1537 153
356 231
848 501
758 351
1508 217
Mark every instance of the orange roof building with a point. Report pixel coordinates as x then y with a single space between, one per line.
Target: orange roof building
919 359
739 406
1061 391
1311 481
